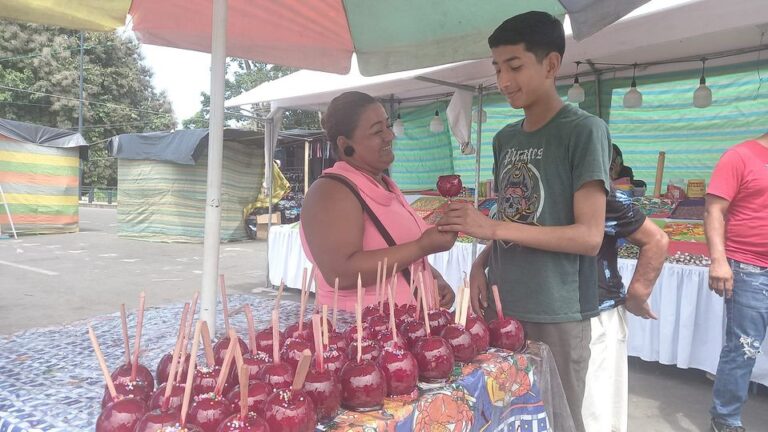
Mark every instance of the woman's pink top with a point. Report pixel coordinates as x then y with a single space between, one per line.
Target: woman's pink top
402 222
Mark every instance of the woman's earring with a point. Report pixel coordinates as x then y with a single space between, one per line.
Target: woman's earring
349 151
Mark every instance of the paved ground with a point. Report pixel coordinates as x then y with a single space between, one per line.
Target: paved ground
51 280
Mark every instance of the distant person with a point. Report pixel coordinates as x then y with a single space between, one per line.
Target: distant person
620 171
736 226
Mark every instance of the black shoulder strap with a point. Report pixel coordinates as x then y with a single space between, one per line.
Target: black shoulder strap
367 209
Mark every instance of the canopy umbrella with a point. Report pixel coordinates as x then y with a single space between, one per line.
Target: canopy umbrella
389 36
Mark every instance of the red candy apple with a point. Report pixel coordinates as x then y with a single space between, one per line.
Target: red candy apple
290 411
362 386
401 373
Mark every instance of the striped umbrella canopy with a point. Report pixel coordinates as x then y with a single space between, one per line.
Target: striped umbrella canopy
388 36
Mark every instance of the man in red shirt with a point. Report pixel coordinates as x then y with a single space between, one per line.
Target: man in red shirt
736 226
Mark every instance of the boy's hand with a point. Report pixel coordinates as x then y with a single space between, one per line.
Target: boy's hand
463 217
478 290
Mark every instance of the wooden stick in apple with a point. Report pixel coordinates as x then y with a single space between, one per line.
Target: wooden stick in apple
392 281
303 304
393 325
359 313
458 303
102 364
424 301
275 336
465 306
301 370
335 300
224 372
224 303
325 325
317 331
419 291
124 322
378 279
251 329
497 299
279 294
190 373
383 279
137 343
188 333
209 357
175 359
242 376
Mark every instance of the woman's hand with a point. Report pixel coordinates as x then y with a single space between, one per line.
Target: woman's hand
433 241
445 292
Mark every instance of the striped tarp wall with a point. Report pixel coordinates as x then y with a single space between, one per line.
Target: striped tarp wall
165 202
421 155
41 187
693 138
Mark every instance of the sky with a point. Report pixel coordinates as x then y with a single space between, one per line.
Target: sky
182 74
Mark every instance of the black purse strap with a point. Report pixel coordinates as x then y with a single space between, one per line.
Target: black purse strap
367 209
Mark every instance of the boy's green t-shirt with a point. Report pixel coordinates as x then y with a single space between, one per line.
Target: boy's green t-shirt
536 175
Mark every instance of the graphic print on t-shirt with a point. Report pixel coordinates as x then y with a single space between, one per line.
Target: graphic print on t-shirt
521 195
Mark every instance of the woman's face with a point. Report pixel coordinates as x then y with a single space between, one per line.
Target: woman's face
372 140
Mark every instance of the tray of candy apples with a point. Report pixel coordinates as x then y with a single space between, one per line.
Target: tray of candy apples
291 380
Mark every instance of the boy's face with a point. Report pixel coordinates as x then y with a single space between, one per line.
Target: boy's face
522 78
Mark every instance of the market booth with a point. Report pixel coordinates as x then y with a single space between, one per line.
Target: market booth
689 331
39 178
162 183
374 28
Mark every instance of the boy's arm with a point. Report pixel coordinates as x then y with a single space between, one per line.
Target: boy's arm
583 237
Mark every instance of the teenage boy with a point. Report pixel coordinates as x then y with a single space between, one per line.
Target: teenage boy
551 174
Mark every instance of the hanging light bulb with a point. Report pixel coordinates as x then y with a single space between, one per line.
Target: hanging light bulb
436 124
576 92
633 98
702 96
398 127
483 116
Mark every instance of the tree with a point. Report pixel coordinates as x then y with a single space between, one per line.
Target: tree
247 74
39 83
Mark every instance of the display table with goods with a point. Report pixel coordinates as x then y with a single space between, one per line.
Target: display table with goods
50 379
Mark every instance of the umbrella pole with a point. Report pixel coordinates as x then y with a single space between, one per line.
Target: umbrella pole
477 156
212 236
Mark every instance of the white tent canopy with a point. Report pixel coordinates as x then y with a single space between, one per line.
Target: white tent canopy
660 30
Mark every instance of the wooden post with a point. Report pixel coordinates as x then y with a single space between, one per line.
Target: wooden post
306 166
659 174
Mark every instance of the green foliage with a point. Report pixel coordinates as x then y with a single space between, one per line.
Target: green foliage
117 86
243 75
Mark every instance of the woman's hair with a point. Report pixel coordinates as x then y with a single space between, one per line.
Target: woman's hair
343 114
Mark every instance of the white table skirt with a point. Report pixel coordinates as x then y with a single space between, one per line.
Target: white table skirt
688 333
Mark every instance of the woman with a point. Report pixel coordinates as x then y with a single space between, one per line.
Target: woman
339 236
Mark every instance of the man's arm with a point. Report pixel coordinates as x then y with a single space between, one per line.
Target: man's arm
583 237
720 274
653 243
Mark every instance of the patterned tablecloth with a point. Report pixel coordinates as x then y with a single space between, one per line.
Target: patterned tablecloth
50 380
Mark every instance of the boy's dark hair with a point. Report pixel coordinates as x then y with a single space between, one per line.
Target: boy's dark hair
540 32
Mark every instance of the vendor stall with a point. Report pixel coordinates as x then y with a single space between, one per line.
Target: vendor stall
50 380
688 333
